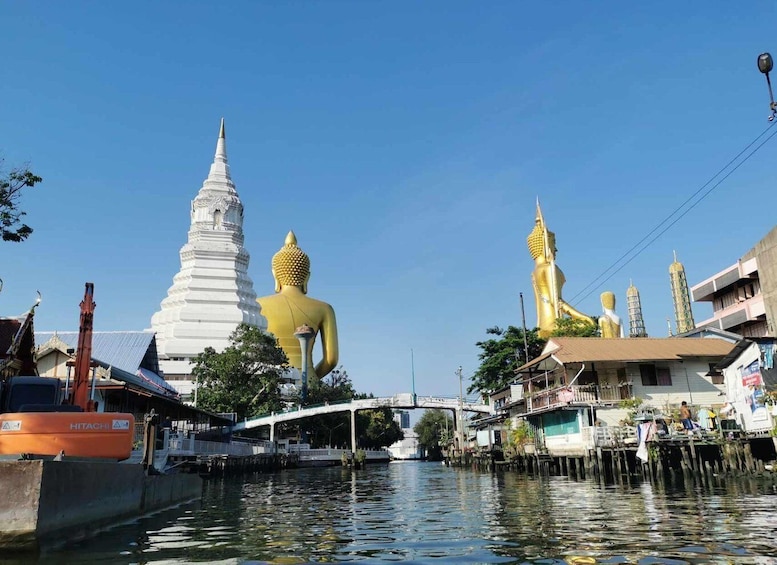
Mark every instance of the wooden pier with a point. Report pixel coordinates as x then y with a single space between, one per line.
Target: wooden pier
225 464
670 459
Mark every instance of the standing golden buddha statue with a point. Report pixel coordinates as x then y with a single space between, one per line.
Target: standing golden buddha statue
547 279
610 324
290 308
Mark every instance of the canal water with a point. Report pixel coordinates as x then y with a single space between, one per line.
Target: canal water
429 513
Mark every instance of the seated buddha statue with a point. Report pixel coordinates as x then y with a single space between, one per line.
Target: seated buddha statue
290 308
547 279
609 323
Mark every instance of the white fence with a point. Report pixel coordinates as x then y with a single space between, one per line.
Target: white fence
191 446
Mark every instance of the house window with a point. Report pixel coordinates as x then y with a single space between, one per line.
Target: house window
716 376
655 376
648 374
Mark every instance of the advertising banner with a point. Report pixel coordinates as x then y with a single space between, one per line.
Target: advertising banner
751 375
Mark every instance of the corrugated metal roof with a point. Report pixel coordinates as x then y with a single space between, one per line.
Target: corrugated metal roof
581 349
534 362
124 351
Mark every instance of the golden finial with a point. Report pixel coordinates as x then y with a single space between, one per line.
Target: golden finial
676 265
291 265
291 239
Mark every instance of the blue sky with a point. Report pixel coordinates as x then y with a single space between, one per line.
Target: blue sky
404 143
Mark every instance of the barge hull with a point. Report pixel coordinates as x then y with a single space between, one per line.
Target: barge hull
44 501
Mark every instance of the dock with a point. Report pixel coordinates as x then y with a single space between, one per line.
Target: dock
670 458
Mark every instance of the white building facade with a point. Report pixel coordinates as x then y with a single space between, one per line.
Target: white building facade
212 293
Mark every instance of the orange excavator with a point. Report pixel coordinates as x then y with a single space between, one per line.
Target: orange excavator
38 425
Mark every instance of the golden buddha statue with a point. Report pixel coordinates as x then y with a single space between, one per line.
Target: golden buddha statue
547 279
290 308
609 323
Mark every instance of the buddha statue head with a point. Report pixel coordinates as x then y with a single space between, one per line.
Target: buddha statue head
291 265
608 300
539 237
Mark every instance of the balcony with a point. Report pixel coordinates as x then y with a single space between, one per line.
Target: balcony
583 395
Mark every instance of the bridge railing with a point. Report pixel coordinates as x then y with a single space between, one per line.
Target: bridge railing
404 400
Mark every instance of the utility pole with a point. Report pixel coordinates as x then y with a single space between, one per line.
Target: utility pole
525 342
461 410
412 373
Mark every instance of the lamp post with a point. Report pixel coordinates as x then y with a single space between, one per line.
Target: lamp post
765 65
461 411
304 334
525 341
69 365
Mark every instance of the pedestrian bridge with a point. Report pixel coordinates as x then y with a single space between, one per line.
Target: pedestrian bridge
399 401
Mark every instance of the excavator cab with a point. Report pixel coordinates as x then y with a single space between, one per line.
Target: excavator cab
32 394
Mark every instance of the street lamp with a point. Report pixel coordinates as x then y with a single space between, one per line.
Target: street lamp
461 410
765 65
304 334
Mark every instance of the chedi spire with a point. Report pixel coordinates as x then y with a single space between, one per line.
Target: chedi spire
681 297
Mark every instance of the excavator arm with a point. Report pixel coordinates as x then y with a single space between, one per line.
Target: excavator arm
83 360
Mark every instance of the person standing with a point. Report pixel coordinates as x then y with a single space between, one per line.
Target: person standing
685 416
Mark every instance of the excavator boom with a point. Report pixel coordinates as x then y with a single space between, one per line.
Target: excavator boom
83 360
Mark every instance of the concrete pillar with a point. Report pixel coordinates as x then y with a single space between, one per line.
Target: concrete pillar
460 428
272 431
353 431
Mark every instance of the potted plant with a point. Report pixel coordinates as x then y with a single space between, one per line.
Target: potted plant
522 437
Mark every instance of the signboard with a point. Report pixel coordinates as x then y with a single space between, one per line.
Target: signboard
751 375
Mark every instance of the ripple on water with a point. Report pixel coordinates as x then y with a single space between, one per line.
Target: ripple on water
431 514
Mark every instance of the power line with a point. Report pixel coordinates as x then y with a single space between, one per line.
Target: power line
675 211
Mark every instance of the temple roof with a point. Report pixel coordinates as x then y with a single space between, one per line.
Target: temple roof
131 352
17 344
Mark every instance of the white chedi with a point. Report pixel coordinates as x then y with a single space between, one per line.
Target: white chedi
212 293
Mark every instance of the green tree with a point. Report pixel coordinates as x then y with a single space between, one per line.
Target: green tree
573 327
334 387
431 431
244 378
377 428
11 185
501 356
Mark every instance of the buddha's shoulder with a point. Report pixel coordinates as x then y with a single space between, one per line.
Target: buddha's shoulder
300 299
320 303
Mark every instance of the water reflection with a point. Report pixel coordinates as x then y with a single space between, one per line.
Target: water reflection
428 513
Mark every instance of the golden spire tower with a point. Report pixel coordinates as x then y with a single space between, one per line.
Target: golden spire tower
681 297
634 304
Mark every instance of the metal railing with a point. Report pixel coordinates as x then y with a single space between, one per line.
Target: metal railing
576 394
610 436
191 446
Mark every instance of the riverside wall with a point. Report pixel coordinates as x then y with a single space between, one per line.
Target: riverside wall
45 501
